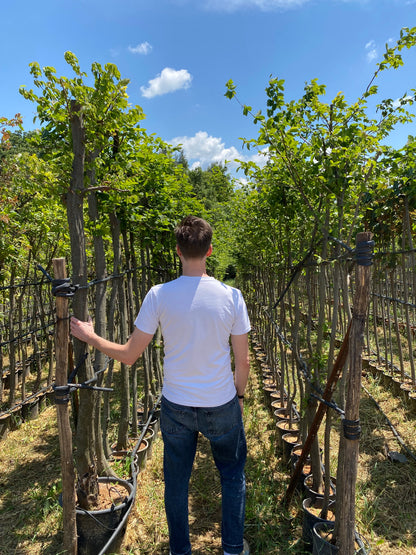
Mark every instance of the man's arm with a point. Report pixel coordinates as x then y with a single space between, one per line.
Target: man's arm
239 345
127 353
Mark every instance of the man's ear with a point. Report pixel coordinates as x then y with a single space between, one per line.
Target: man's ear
209 251
178 250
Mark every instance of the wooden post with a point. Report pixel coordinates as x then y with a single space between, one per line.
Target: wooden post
62 411
349 443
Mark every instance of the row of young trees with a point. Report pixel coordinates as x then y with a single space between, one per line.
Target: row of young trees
329 174
93 186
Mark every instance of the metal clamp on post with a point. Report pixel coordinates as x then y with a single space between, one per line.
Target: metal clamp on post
62 391
352 429
60 287
63 288
61 394
364 253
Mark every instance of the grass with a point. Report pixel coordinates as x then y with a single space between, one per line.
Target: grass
31 518
30 515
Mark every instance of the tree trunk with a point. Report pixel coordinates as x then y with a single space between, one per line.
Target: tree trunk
12 346
123 428
84 438
100 323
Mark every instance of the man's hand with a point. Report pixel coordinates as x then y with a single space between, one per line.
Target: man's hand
84 331
127 353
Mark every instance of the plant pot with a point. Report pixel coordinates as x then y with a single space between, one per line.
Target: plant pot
307 466
374 369
141 455
283 414
4 425
266 372
314 494
412 401
365 362
260 356
285 427
269 381
30 409
386 380
407 389
396 383
277 402
16 418
7 378
288 441
268 390
50 395
41 400
154 425
320 539
312 514
149 436
322 535
95 528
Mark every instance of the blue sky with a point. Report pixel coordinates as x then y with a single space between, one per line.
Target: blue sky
178 55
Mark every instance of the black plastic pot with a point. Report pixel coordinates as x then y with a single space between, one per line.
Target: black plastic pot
314 494
283 414
4 425
310 518
30 409
288 441
322 546
142 453
286 427
97 528
16 418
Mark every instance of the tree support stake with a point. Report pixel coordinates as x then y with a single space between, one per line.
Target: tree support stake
62 412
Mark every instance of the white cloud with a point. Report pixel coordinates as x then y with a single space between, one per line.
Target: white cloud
204 150
169 80
264 5
142 48
371 51
408 99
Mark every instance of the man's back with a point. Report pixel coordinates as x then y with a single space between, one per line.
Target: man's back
197 316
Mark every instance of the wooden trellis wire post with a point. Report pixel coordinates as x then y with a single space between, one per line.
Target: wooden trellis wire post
62 412
349 444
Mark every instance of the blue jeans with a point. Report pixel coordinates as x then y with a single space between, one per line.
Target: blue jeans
223 426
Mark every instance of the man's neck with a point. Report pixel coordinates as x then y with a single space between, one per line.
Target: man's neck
194 268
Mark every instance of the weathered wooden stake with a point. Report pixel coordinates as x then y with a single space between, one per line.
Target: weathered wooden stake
349 444
62 411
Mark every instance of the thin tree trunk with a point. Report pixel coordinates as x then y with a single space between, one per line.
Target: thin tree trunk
123 428
12 343
100 324
84 439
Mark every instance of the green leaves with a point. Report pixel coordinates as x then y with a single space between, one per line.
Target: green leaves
322 154
231 90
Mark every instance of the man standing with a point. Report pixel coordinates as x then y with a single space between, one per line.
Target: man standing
198 315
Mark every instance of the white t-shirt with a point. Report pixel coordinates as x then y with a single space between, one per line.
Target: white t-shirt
197 315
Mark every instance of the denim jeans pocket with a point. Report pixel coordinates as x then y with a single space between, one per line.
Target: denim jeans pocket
173 418
219 421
